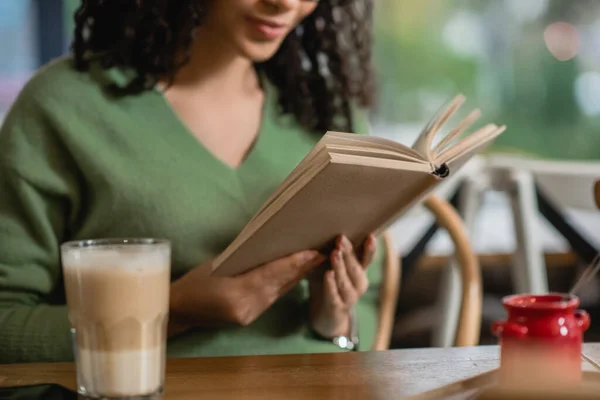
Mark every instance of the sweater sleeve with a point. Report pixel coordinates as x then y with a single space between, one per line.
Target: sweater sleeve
34 209
30 328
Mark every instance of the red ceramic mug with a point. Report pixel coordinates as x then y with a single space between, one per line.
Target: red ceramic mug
541 339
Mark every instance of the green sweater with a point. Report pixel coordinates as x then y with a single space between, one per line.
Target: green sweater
76 164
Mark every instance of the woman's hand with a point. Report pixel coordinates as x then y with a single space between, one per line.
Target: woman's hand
199 299
335 292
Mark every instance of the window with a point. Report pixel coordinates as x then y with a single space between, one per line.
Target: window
33 32
18 58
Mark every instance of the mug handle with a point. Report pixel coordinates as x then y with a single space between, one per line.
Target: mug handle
505 328
583 320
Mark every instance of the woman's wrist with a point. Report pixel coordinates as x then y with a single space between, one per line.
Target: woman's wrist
342 330
332 326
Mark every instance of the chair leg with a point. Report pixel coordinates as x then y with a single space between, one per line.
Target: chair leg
388 299
449 301
469 322
529 269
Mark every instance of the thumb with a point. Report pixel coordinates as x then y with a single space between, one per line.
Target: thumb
285 272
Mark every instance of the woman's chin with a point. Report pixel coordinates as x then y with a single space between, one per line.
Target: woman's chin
259 52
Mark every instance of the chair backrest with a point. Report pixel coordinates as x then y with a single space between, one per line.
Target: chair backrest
566 183
597 193
469 323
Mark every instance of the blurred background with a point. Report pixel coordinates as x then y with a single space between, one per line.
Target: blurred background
531 64
494 51
500 54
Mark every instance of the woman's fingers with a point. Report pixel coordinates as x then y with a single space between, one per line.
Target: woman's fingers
354 268
287 270
331 290
369 252
270 281
344 284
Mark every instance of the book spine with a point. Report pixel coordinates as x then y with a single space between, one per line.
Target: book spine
441 172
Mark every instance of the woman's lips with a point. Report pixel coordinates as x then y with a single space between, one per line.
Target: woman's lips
268 29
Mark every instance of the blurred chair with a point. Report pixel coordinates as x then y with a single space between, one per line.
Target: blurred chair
469 319
559 187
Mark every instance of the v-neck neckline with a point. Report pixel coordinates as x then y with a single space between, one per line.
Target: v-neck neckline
180 126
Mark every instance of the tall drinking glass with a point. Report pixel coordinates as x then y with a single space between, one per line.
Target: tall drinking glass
118 302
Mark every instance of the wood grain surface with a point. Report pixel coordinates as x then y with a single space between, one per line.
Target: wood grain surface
371 375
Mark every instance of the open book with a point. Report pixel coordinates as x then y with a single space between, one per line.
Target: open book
353 185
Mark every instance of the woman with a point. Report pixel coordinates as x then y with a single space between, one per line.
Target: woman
177 119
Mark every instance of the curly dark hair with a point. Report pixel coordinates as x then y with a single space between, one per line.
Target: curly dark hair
322 70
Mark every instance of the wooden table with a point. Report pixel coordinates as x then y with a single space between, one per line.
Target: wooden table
376 375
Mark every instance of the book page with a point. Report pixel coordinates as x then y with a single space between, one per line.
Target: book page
374 142
369 152
484 135
424 142
361 160
456 132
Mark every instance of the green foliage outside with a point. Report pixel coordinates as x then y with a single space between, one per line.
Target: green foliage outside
521 85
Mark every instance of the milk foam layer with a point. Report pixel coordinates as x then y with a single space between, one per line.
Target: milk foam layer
140 258
121 373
